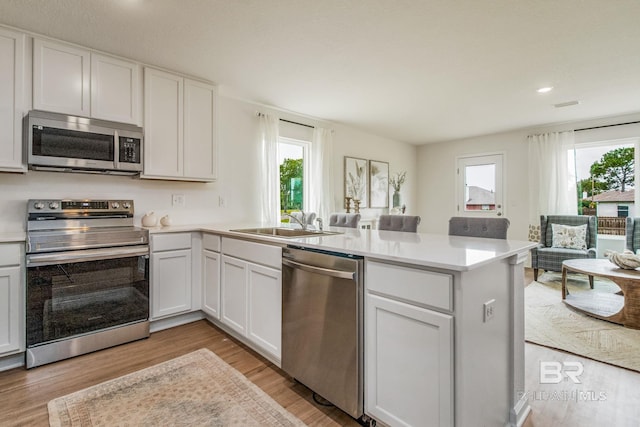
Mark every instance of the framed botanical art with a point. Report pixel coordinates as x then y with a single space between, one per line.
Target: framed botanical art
356 174
378 184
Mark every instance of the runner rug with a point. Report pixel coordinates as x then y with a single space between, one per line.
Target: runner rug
551 323
195 389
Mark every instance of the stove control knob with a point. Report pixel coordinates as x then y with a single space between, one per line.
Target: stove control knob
115 205
38 205
54 205
126 205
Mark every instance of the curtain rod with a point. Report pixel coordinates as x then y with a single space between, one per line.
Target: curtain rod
606 126
259 114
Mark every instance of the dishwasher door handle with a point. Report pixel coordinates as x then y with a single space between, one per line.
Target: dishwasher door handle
320 270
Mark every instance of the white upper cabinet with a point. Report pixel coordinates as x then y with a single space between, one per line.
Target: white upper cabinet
61 78
199 130
180 131
75 81
115 89
12 108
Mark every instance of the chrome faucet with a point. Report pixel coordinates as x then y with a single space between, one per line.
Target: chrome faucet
303 222
319 220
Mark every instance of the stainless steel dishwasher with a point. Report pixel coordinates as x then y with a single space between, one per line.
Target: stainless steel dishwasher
322 318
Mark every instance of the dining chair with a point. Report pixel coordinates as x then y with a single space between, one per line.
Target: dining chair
348 220
399 223
492 228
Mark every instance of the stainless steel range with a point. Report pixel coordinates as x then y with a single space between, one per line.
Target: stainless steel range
87 278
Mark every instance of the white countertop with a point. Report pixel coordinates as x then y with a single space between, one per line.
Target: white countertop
13 237
430 250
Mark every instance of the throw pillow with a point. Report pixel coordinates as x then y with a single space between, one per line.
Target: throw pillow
569 237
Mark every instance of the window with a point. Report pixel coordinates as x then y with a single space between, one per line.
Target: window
480 185
605 177
293 159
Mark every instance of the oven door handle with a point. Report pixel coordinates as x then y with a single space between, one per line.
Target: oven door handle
39 260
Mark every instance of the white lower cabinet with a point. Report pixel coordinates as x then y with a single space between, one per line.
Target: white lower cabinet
11 299
409 356
234 293
251 293
170 274
211 283
265 307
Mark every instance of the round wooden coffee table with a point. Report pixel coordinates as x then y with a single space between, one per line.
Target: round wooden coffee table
622 308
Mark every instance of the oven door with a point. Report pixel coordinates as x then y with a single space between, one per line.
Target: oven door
79 292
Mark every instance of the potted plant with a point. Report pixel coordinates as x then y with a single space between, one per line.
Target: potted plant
396 182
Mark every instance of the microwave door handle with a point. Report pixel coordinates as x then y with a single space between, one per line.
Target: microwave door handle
116 149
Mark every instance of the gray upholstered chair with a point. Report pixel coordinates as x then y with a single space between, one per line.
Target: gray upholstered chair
545 257
399 223
309 217
493 228
632 227
348 220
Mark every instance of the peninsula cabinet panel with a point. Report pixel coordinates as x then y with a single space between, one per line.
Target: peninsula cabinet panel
115 89
163 125
61 78
12 63
409 364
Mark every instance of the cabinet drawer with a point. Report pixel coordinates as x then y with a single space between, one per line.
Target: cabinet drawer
170 241
410 284
211 242
10 254
255 252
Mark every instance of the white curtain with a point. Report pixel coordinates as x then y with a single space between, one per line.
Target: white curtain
552 179
269 169
321 174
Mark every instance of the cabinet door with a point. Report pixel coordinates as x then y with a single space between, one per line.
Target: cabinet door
211 283
11 312
163 124
171 283
234 293
265 308
12 61
61 78
409 364
199 131
115 90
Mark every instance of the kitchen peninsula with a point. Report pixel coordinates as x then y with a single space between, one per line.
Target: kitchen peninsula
443 321
443 315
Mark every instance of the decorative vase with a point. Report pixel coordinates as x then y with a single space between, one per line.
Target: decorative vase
396 199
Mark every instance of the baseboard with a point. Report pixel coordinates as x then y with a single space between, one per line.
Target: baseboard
173 321
11 362
520 412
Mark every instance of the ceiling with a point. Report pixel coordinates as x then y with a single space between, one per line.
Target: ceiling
418 71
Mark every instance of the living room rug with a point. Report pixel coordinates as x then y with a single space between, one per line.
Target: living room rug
551 323
198 388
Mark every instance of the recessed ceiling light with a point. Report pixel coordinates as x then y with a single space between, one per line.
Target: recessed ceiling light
545 89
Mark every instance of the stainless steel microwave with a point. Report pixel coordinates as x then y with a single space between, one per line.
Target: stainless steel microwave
62 143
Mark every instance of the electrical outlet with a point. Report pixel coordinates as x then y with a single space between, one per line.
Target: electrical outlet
177 200
489 307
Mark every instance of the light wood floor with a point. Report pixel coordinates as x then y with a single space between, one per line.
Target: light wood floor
24 394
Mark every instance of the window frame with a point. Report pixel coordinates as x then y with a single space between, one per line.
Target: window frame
306 164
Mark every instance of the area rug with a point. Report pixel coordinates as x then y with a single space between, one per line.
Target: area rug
551 323
197 389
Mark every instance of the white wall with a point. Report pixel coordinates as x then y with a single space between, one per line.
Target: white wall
238 183
437 164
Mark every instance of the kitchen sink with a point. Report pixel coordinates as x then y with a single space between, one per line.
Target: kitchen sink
284 232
